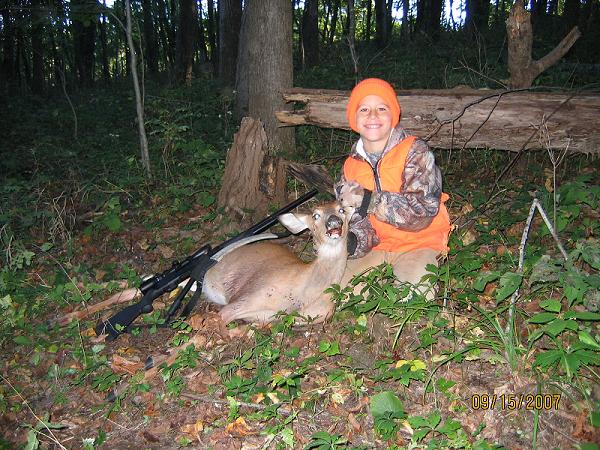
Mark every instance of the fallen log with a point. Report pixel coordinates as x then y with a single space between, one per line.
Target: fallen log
468 118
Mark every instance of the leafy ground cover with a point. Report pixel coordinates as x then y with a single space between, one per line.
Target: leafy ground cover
506 357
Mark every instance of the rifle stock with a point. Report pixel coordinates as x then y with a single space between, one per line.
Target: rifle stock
199 262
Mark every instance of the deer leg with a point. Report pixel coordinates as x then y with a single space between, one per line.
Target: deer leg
319 310
410 267
245 311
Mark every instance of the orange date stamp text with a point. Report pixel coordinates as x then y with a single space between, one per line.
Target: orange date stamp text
511 402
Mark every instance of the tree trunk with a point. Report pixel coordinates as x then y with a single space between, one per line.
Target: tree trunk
240 108
571 13
390 19
252 178
351 37
523 70
166 34
8 54
139 102
103 45
334 19
478 14
270 68
230 18
310 34
264 71
435 18
84 17
381 22
538 8
37 46
212 40
202 37
591 17
368 20
327 11
503 121
186 33
405 19
351 22
428 18
23 78
151 53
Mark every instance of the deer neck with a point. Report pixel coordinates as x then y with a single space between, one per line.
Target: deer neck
329 265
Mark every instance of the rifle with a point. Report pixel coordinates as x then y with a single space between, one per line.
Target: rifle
193 269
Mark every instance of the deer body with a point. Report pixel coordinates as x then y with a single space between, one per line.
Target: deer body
256 281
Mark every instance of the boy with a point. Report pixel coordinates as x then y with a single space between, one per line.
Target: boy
393 181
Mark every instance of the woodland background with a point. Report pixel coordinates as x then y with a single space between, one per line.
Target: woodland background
104 179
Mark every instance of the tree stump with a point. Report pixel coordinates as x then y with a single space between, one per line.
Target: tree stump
523 70
252 177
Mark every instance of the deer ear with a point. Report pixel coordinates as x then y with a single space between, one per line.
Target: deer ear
296 223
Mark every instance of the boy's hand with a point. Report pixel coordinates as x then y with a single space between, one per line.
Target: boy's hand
349 193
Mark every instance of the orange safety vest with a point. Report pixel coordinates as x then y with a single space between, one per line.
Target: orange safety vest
390 170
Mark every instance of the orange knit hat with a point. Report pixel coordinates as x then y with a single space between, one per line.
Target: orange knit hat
372 86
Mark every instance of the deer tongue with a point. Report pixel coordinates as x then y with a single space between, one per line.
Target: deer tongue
337 232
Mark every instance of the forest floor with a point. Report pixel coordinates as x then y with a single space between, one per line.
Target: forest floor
82 223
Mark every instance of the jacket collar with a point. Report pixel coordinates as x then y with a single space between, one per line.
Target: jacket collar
396 136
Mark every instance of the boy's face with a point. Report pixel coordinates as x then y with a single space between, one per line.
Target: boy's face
373 122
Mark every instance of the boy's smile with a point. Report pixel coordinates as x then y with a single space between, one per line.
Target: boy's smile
373 122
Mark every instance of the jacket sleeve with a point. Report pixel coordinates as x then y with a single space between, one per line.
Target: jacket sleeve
365 237
418 202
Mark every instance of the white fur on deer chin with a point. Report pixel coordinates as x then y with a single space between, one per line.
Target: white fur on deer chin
331 248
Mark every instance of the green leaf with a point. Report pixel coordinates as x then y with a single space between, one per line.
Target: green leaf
586 315
551 305
589 446
449 426
434 419
556 327
22 340
595 419
384 403
546 270
590 252
570 362
544 317
112 222
483 279
418 422
547 359
443 384
420 434
588 357
588 339
32 441
508 284
287 436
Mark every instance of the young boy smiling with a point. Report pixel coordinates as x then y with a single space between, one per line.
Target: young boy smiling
393 181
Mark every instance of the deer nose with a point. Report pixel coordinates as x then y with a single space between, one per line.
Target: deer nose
333 221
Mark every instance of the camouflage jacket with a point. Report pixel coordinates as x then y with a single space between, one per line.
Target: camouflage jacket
411 209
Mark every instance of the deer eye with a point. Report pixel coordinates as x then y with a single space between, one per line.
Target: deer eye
316 216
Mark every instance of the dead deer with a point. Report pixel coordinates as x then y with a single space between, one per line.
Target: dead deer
256 281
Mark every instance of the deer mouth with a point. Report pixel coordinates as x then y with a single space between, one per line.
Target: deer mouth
334 233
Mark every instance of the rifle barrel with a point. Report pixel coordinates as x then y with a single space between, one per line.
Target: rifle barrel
268 222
